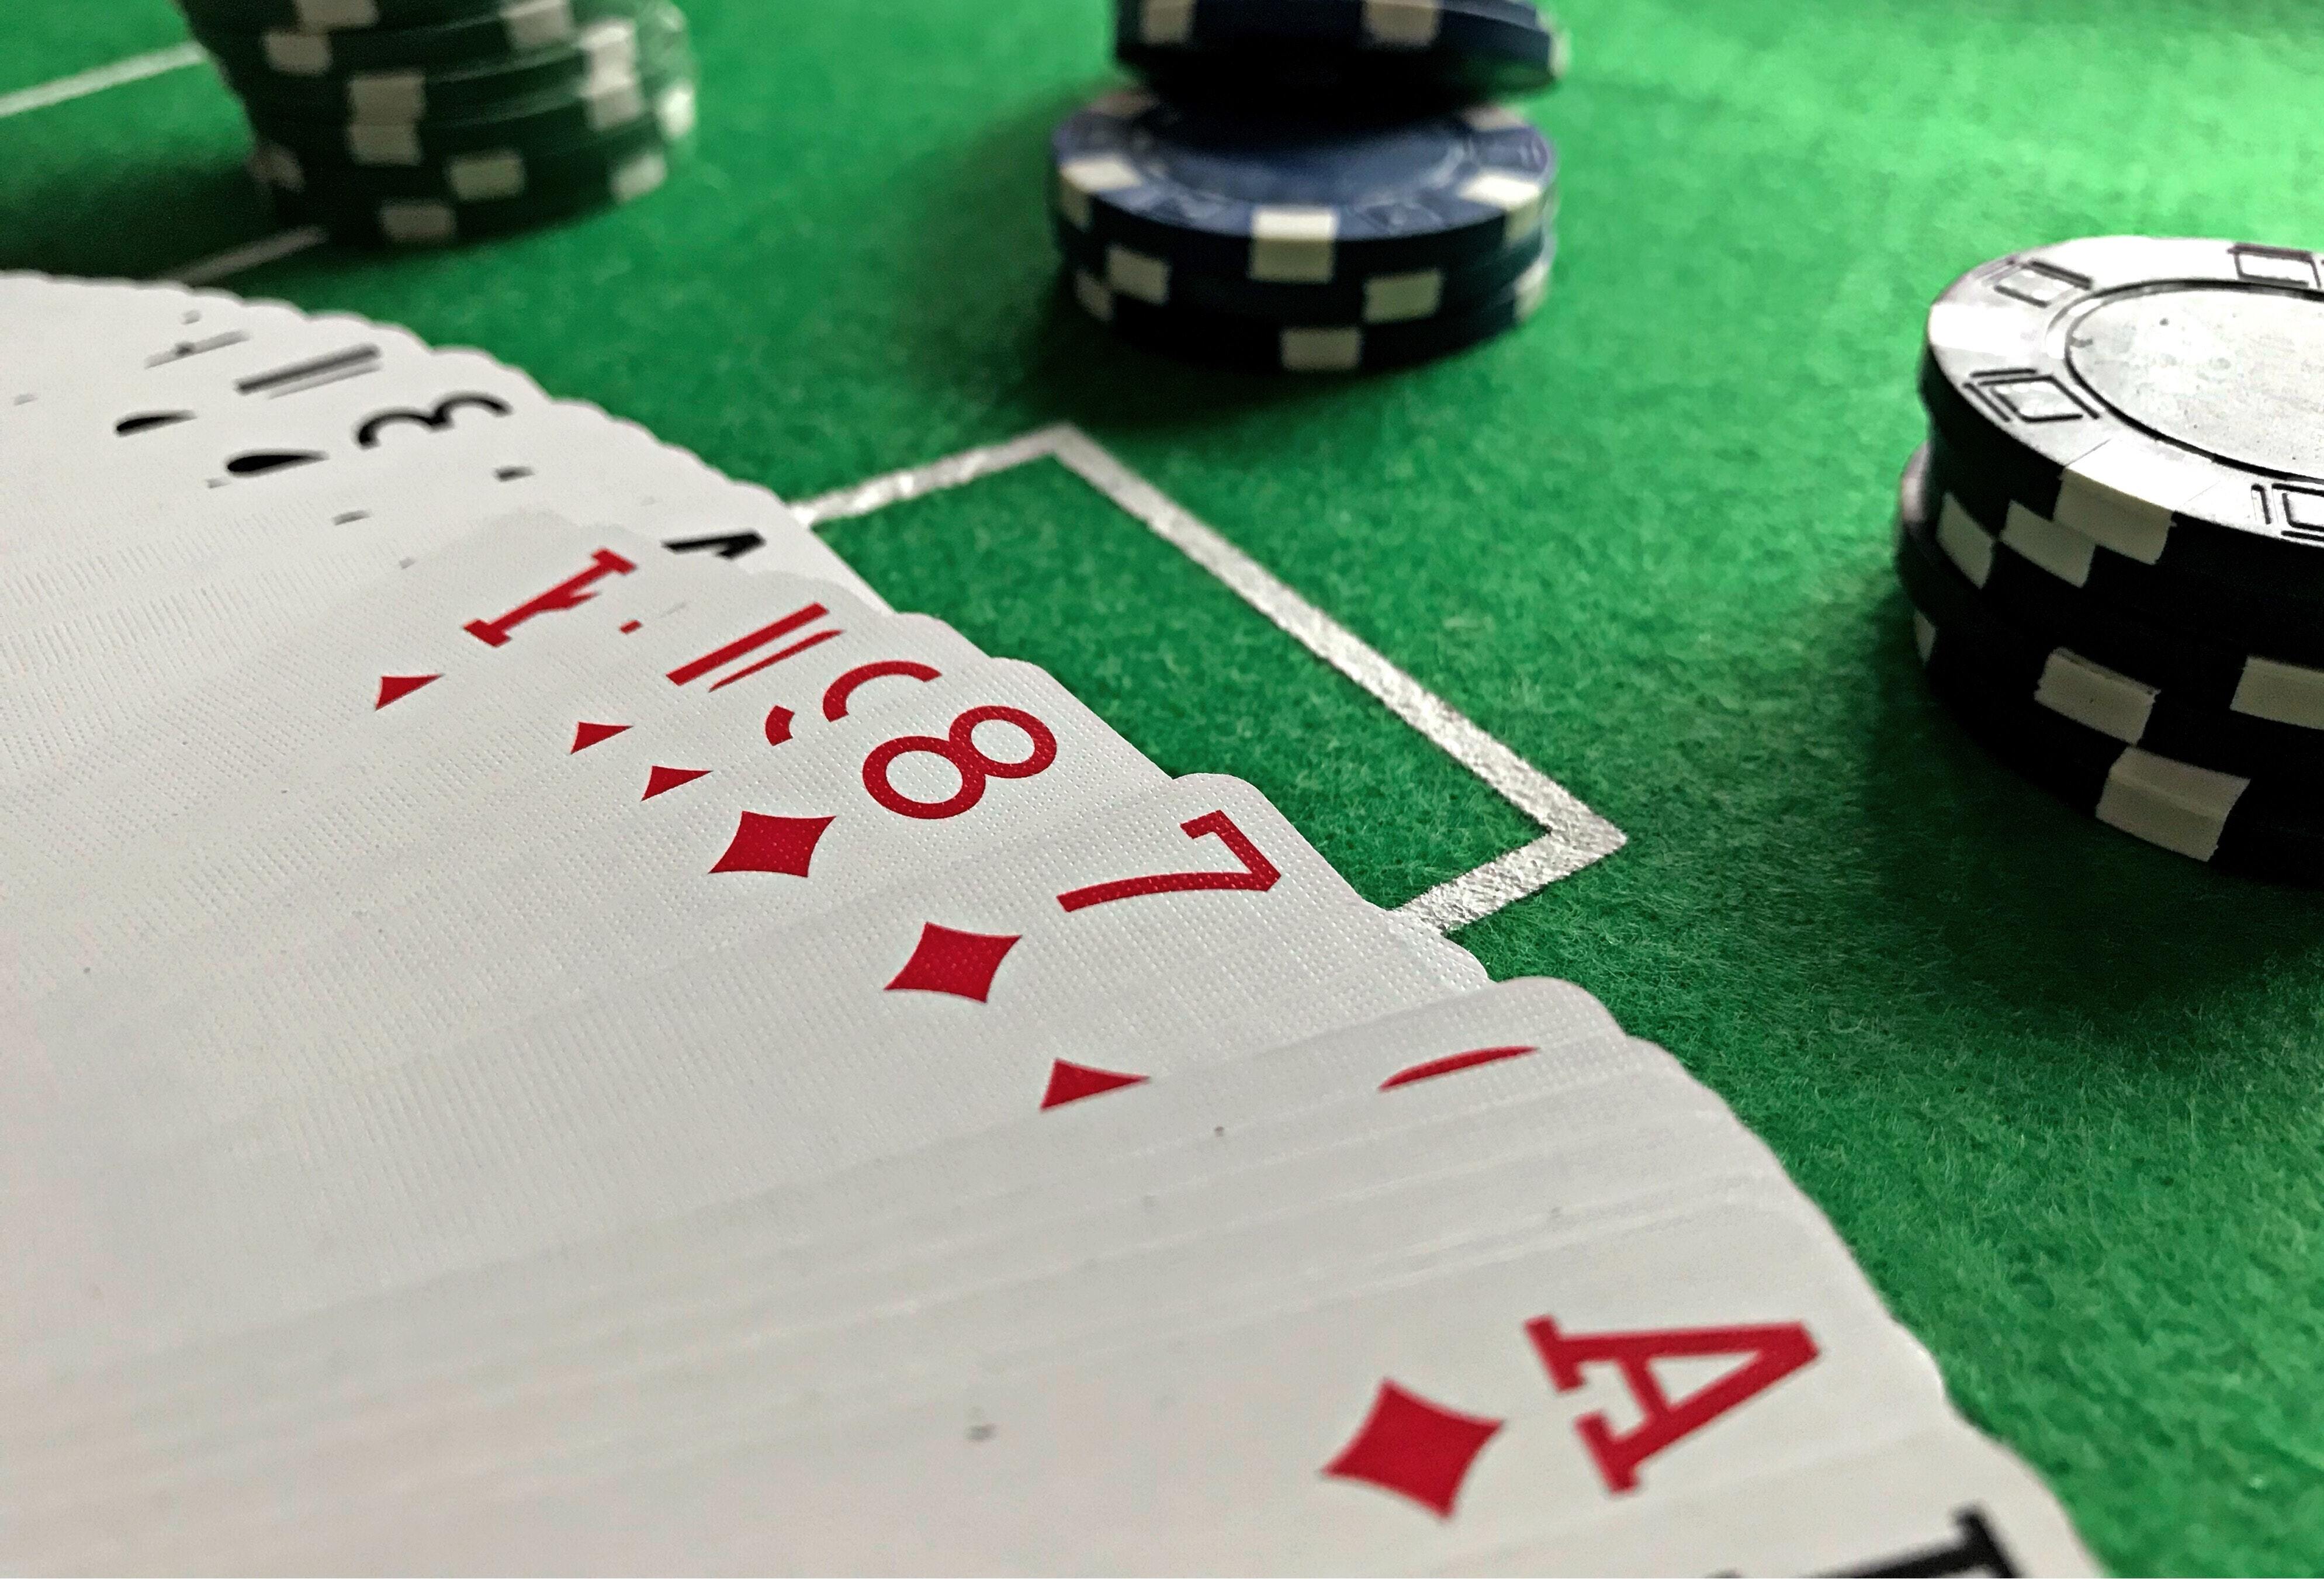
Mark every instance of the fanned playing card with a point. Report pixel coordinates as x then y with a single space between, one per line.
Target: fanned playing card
543 1027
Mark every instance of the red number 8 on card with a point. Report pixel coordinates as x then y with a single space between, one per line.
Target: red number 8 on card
959 748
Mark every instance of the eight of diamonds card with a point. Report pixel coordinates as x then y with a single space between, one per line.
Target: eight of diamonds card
531 995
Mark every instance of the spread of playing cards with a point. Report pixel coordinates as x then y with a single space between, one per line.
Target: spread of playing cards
538 997
1179 786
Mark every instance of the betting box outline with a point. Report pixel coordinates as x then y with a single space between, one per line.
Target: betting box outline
1573 836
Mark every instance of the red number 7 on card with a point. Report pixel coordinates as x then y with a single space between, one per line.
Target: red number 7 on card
1257 874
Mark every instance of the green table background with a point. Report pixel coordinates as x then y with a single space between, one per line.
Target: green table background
2059 1091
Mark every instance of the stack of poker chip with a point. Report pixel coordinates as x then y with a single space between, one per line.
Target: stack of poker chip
2114 539
423 122
1313 186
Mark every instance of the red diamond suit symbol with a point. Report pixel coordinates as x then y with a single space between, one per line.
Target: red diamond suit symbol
1419 1450
962 964
784 845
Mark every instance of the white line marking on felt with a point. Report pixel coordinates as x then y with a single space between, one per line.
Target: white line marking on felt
210 270
135 68
1573 835
1500 882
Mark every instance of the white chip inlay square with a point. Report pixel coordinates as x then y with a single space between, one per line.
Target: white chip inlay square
418 221
1295 245
612 45
1399 298
1077 179
2061 551
1518 196
643 175
475 177
299 54
675 111
2121 495
370 142
1964 541
1323 350
1133 273
535 22
2089 694
388 96
1095 299
2173 804
1166 22
618 99
2288 693
1405 25
323 15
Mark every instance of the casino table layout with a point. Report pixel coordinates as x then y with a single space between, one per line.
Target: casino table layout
2059 1091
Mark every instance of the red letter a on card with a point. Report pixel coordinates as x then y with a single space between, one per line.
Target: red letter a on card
1769 1354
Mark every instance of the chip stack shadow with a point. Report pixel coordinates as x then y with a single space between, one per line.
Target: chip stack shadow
425 122
2114 538
1313 186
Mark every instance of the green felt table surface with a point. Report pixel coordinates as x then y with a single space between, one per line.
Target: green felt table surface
2059 1091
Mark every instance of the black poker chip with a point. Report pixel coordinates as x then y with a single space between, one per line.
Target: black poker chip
2024 543
2247 719
2261 827
2157 396
2177 652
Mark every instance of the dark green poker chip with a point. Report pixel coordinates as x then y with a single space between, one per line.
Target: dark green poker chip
299 156
613 49
485 175
507 31
333 16
587 186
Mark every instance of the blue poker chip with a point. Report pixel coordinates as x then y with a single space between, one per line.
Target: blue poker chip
1397 297
1254 343
1291 199
1352 51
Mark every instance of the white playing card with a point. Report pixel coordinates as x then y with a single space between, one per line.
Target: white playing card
80 396
1367 1431
322 984
747 668
1940 1501
1188 925
1435 1081
1190 1247
1439 1062
1586 1154
567 457
104 332
376 664
90 676
1326 1104
257 402
1393 1425
132 459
